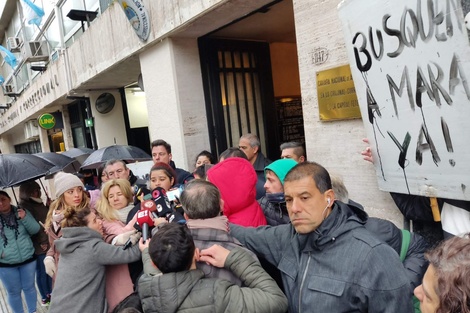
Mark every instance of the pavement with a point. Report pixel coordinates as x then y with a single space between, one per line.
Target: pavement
4 308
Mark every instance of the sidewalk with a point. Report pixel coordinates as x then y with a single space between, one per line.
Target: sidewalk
4 303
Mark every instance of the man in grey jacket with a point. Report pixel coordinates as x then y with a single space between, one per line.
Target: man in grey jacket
328 261
202 207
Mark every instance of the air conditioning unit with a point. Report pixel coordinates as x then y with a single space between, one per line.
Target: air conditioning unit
31 130
9 89
35 51
14 43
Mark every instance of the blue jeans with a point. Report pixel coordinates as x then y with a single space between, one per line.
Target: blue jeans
17 279
43 280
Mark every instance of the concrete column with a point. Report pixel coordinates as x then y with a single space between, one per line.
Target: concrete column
44 140
67 130
113 120
172 79
6 146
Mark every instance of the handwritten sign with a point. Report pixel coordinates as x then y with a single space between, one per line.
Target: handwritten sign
410 60
337 98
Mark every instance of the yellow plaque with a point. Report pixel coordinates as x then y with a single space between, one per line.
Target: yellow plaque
337 99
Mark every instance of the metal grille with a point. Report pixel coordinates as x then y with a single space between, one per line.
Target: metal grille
241 96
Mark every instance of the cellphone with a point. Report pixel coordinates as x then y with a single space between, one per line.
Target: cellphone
172 194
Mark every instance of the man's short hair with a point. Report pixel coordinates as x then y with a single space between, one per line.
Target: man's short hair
341 193
233 152
320 175
161 142
298 147
172 248
112 162
200 199
253 139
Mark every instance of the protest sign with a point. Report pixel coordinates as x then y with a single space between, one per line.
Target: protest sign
410 60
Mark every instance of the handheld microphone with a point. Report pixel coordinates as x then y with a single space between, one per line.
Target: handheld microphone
145 221
151 206
163 206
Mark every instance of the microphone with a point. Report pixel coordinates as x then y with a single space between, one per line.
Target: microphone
145 221
151 206
162 205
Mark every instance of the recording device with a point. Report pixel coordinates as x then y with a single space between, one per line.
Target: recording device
144 218
174 194
164 207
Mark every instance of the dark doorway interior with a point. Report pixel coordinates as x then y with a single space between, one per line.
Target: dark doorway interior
239 93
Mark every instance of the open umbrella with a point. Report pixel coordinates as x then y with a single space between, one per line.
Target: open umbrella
61 162
18 168
79 154
115 152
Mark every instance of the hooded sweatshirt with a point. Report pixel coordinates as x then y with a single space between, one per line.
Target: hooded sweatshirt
80 282
236 180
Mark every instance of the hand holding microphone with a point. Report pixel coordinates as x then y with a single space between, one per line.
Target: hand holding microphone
144 218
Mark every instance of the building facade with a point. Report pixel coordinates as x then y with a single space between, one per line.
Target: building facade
208 72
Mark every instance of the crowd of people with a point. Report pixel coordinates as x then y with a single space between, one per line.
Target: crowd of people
243 234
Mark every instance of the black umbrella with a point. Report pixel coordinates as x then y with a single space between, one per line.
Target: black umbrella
61 162
115 152
18 168
79 154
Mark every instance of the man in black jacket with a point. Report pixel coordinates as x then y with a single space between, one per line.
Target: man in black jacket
161 152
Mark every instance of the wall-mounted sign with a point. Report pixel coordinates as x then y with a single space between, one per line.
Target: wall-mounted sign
410 63
46 121
337 99
138 16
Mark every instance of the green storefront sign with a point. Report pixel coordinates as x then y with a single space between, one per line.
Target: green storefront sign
46 121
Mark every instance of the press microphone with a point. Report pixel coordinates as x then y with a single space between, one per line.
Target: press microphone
151 206
164 208
144 218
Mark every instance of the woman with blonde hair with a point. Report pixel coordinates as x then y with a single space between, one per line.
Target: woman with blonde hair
113 207
70 193
445 287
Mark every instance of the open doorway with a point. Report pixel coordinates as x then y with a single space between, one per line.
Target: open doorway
251 80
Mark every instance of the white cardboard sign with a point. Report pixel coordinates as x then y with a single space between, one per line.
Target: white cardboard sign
410 61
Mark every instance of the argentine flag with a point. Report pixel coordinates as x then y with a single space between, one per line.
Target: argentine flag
32 12
8 56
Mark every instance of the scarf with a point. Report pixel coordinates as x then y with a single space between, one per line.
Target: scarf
8 220
122 213
57 217
218 222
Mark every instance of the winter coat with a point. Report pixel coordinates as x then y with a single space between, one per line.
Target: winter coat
340 267
260 164
190 291
182 176
415 263
18 250
207 237
118 279
236 180
53 235
275 213
80 282
39 212
455 214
